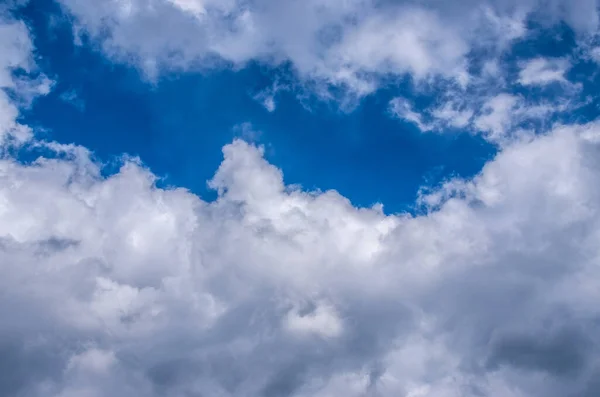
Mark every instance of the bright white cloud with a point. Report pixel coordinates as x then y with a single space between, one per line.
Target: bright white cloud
345 43
113 287
117 285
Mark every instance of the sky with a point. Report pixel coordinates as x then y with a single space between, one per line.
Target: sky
361 198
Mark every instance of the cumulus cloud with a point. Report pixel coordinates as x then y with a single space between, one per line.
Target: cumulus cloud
336 41
112 286
351 44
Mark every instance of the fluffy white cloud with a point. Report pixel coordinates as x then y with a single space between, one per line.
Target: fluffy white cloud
111 286
498 115
345 43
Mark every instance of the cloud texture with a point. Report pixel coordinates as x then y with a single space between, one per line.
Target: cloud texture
349 43
111 286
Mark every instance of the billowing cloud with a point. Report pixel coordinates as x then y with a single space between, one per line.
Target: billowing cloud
112 286
345 43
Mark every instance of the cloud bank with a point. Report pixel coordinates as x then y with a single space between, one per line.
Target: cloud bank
112 286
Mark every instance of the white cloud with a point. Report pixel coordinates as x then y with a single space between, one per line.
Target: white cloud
275 290
15 53
497 115
352 44
505 117
15 92
402 109
542 71
501 118
111 286
453 116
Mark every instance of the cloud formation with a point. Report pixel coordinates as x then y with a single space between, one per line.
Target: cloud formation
542 71
112 286
353 44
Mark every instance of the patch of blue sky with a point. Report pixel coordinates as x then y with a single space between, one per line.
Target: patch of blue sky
178 125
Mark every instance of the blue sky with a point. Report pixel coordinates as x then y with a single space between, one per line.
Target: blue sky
178 124
188 190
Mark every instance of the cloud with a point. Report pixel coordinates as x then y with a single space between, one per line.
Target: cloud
542 71
267 96
500 118
497 112
594 54
112 286
15 53
453 116
498 115
448 115
350 44
402 109
17 90
505 117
